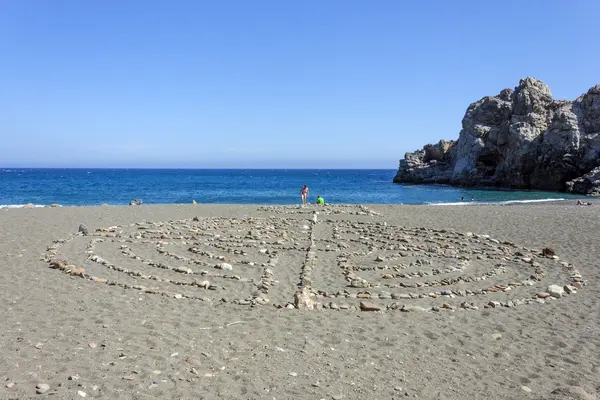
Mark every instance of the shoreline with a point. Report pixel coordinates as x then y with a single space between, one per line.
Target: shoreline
589 199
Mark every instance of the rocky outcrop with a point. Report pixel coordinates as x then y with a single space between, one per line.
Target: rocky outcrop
521 139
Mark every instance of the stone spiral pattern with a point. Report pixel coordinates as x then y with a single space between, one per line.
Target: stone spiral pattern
332 260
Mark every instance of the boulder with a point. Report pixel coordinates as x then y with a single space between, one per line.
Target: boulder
520 139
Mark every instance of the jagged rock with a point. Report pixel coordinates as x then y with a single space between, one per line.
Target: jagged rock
82 229
588 183
522 139
303 300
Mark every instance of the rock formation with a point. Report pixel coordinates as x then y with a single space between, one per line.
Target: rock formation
520 139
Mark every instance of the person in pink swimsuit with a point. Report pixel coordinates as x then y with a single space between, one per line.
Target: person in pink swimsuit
304 194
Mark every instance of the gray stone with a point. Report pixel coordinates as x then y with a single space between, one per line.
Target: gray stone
83 230
570 289
366 306
411 308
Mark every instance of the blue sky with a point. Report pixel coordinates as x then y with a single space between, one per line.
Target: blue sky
294 84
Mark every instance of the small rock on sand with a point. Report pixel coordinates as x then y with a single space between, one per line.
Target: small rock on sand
81 393
82 229
555 291
42 388
365 306
225 266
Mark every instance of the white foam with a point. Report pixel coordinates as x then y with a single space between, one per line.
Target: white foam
19 205
462 203
495 203
529 201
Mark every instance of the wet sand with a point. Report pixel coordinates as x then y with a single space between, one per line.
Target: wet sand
251 302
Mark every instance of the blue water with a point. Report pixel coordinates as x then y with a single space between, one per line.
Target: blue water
168 186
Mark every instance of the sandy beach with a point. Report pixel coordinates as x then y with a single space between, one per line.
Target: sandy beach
282 302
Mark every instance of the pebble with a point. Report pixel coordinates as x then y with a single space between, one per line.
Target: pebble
92 345
81 393
337 397
39 345
293 374
497 336
10 384
82 229
42 388
555 291
525 389
570 289
226 266
178 296
364 306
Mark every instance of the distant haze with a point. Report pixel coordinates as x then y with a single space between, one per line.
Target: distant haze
269 84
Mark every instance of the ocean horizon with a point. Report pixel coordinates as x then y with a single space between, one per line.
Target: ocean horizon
118 186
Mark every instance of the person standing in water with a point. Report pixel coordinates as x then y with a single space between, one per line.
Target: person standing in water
304 194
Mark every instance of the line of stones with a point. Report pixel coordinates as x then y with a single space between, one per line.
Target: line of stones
339 209
303 298
539 273
63 266
266 278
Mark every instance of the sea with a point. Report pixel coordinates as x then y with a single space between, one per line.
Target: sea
88 187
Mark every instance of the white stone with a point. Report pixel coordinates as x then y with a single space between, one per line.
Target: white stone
226 266
42 388
81 393
555 291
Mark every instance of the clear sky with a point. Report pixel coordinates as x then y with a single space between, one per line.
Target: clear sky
290 84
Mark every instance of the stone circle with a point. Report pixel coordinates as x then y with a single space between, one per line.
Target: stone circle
316 258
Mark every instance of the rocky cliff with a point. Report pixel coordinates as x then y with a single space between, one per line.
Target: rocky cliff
520 139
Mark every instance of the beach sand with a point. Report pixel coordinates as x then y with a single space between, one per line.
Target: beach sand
217 340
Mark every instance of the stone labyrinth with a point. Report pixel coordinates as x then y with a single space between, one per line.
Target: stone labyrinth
335 257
